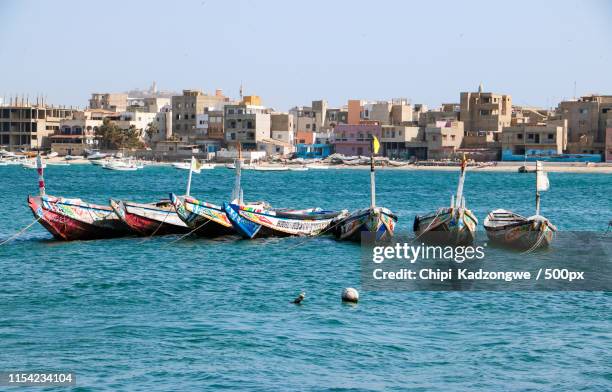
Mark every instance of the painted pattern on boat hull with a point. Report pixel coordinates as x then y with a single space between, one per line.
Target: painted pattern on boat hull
455 226
519 232
378 220
149 219
207 219
73 219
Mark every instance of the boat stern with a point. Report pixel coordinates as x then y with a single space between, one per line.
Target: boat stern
243 226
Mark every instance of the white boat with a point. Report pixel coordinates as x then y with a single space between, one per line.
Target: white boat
300 168
207 166
60 163
318 167
121 165
52 154
96 155
32 164
271 168
186 165
73 157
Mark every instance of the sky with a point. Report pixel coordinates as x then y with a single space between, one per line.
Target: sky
293 52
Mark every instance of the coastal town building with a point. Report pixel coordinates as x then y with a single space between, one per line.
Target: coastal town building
484 114
116 102
281 127
447 112
608 156
78 133
28 126
355 139
147 104
246 124
586 123
443 138
186 107
313 151
163 121
534 141
276 148
403 142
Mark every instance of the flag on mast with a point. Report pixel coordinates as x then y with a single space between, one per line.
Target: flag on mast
542 183
376 145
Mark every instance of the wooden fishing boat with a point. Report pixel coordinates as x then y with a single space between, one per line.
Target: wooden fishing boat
74 219
507 228
454 225
205 219
252 221
152 218
378 221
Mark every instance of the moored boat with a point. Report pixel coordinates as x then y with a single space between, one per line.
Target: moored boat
252 221
206 219
507 228
454 225
74 219
375 221
151 218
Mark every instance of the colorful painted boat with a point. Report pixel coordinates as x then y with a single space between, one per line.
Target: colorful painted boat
252 221
147 219
454 225
206 219
74 219
378 220
447 225
507 228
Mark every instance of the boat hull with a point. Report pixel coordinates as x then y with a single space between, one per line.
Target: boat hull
378 221
529 234
71 219
149 219
447 226
208 220
258 221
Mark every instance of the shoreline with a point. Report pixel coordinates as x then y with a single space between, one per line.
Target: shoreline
506 167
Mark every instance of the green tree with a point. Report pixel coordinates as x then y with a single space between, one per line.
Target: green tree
111 136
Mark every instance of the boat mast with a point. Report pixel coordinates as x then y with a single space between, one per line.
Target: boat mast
538 187
41 179
459 198
191 165
372 176
237 192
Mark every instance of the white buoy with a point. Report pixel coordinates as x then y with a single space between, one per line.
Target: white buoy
350 294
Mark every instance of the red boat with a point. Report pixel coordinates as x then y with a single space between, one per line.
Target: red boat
74 219
148 219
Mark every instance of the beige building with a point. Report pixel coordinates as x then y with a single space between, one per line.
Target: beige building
485 113
77 134
586 123
186 108
28 126
247 124
443 138
542 139
399 141
281 127
116 102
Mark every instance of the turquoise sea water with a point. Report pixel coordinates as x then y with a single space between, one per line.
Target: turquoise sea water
203 314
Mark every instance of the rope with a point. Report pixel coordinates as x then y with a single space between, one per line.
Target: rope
536 245
155 231
191 232
19 232
423 232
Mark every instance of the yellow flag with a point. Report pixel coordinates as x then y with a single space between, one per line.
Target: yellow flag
195 164
376 145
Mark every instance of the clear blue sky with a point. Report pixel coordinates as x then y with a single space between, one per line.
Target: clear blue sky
291 52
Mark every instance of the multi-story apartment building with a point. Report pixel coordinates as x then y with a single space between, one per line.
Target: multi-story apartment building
400 141
355 139
185 109
28 126
246 124
116 102
447 112
485 113
608 156
443 138
78 133
524 141
586 123
281 127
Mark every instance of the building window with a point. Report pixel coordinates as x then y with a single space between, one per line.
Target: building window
530 136
551 136
233 136
519 136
